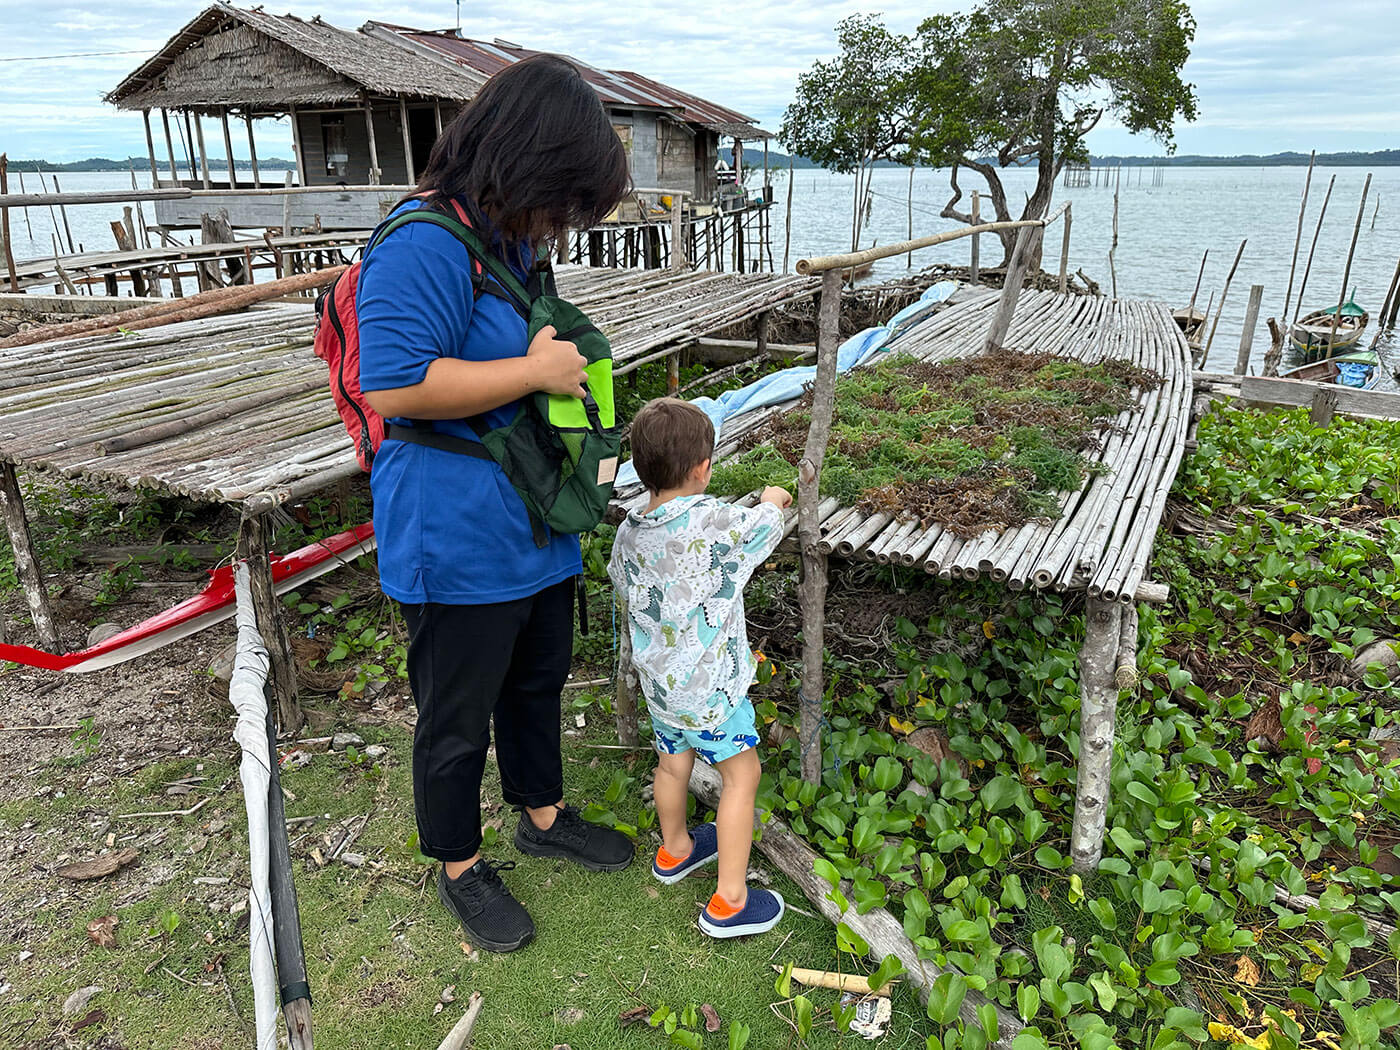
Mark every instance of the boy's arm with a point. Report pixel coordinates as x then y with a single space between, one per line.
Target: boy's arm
760 531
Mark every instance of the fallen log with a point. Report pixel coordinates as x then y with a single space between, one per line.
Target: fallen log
878 928
205 304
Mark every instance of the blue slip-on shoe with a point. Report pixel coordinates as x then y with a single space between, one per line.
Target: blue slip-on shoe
669 870
760 913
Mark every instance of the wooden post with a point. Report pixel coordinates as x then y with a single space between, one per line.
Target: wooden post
30 229
787 222
811 591
189 147
1113 247
27 567
1011 291
373 146
974 272
1098 712
252 151
909 258
302 176
761 342
407 142
1298 237
169 145
150 147
678 259
1223 293
63 214
1251 320
1346 273
673 374
1307 270
628 681
1275 351
5 223
287 206
253 538
203 152
437 117
1064 251
228 149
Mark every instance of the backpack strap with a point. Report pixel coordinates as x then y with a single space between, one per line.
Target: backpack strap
515 293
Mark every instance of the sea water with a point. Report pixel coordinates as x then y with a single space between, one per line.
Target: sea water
1162 232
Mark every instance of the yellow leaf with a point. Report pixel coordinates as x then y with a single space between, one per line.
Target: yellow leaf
1297 638
1224 1033
1246 971
901 727
989 629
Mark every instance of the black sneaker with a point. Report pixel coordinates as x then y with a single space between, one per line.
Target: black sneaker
490 916
573 838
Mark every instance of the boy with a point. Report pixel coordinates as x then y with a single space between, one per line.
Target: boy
682 563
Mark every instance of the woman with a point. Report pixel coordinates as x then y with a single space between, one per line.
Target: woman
488 602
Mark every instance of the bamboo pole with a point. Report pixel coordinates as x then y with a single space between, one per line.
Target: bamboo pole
849 260
812 589
437 117
63 213
1346 274
1191 306
909 258
189 147
27 567
5 223
203 152
1113 248
787 222
1011 290
678 260
974 274
1064 252
407 141
169 147
374 174
228 149
1223 293
252 151
150 146
299 154
1307 270
1298 237
1251 321
28 228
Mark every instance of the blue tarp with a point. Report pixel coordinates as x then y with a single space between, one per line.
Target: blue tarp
777 387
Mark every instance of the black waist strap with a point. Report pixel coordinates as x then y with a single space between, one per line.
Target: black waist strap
433 439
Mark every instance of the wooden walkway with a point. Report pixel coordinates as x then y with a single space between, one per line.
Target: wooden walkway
231 407
1103 539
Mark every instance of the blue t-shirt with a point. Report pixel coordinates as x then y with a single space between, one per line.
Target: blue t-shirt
450 527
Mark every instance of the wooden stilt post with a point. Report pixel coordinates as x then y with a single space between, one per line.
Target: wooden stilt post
228 149
189 147
5 224
169 145
673 375
1064 252
1346 273
300 157
1307 269
437 117
1026 240
1298 237
253 538
27 567
787 222
974 273
150 147
373 146
1251 320
203 152
252 151
909 258
811 592
407 142
63 214
628 682
1098 707
1223 293
678 259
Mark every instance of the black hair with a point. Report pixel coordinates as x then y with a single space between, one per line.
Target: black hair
534 153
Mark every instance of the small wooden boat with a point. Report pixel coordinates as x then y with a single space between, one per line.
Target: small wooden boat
1189 320
1360 369
1312 335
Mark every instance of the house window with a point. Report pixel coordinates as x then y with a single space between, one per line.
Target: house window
333 142
624 132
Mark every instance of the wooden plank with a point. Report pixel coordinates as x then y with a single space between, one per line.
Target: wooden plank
1299 393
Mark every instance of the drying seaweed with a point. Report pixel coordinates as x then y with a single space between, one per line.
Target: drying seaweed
971 444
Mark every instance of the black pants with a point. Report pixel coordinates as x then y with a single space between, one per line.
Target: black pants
466 664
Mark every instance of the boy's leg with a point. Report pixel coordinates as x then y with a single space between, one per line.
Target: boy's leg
734 821
670 790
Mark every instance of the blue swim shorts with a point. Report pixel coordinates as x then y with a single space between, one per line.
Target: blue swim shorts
735 734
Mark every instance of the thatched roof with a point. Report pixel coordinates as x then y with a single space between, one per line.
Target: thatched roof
230 56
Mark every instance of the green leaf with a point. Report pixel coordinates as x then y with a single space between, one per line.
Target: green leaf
888 773
783 985
1013 895
1027 1002
1001 792
688 1039
945 996
803 1008
847 940
991 1024
827 870
739 1035
659 1015
1163 973
890 967
1029 1039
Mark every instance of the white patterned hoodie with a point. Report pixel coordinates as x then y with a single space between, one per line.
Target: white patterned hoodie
683 568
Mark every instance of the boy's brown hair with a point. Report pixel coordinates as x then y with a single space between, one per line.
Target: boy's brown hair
670 438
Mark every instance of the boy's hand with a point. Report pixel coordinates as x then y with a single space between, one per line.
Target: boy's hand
780 498
558 364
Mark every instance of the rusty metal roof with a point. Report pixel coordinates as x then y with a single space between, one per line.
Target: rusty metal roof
617 88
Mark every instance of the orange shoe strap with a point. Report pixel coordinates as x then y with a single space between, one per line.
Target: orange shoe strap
721 908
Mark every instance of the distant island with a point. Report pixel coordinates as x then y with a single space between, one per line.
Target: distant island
216 164
753 158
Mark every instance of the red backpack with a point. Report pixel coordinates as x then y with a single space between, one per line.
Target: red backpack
337 338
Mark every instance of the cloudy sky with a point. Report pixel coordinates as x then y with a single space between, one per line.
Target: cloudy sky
1296 79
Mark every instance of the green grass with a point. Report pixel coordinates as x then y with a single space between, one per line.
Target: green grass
379 949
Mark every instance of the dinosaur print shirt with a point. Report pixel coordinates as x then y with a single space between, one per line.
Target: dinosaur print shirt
683 568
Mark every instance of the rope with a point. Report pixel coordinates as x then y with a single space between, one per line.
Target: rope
818 725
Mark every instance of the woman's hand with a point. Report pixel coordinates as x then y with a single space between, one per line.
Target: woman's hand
558 366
